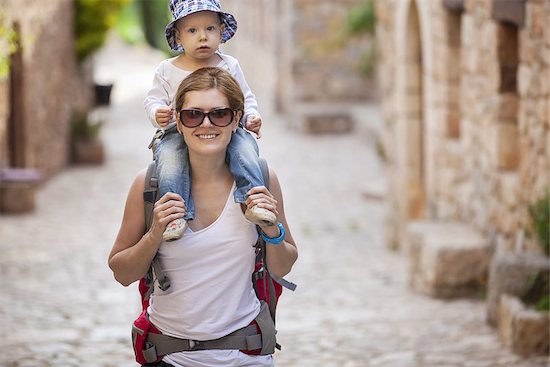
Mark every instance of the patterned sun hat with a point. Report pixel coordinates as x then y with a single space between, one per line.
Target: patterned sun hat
182 8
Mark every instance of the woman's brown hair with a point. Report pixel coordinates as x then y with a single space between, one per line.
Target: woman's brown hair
211 78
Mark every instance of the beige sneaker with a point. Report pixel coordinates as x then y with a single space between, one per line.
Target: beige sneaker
260 216
174 230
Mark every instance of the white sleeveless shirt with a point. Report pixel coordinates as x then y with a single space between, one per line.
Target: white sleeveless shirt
211 293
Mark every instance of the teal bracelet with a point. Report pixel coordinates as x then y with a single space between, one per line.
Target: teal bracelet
275 240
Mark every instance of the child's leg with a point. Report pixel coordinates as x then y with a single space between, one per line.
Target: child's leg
172 159
242 154
243 158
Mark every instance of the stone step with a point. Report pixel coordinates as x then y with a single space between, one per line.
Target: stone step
447 259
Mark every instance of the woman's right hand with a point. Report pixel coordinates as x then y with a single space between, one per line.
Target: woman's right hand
169 207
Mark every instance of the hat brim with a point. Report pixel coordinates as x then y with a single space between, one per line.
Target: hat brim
228 20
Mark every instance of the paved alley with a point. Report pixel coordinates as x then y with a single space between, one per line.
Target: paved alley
353 306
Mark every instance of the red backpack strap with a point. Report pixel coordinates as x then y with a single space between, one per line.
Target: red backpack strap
262 271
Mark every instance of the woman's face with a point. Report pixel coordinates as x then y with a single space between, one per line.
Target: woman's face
207 138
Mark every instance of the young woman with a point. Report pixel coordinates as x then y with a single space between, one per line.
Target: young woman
210 267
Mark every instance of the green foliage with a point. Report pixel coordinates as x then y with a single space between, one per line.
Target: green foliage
361 18
539 213
367 62
129 25
155 15
543 304
83 128
8 45
538 292
93 20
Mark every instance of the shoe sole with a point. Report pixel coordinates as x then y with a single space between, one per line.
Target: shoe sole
266 222
175 234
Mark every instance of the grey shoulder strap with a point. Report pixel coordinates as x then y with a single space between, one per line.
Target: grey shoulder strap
150 193
150 196
265 171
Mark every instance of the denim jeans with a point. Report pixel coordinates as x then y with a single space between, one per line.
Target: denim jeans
173 169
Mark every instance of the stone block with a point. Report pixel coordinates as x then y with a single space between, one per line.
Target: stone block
453 125
447 259
509 11
313 118
17 190
525 331
511 274
507 110
504 146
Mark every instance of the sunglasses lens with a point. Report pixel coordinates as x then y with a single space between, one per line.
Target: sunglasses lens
191 118
221 117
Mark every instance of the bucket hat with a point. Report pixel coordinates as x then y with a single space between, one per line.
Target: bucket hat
182 8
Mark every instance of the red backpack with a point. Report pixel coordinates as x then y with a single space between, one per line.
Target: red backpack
150 345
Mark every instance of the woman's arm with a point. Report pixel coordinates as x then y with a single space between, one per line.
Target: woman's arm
280 257
134 248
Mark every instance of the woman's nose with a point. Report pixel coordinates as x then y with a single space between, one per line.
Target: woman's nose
206 121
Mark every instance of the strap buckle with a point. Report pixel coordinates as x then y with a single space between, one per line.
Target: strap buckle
193 344
158 135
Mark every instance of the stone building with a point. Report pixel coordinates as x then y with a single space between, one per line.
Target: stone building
466 109
43 87
296 47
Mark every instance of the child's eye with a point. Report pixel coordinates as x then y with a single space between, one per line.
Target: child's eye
211 28
191 30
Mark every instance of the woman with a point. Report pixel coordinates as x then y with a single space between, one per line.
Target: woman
210 268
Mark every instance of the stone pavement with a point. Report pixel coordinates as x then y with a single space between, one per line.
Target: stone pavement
353 307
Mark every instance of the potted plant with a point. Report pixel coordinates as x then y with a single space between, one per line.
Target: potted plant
86 146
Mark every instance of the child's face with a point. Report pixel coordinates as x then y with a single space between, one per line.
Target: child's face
200 34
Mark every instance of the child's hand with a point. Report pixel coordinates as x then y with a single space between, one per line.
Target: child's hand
163 115
254 123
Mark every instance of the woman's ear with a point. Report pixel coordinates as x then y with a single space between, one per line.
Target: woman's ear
236 120
178 124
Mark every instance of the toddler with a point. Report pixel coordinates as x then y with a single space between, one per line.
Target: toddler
196 30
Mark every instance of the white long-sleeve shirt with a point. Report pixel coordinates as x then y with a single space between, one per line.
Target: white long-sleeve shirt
168 78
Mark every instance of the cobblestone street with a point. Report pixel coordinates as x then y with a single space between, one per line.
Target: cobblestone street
353 306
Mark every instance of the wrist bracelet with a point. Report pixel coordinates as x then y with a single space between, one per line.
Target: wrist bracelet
275 240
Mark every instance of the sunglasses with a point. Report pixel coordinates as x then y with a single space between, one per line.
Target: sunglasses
220 117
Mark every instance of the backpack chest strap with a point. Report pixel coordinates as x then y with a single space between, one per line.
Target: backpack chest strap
243 339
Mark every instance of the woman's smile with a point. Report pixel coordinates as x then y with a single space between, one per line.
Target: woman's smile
206 136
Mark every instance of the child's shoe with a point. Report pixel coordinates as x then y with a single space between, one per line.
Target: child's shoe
174 230
260 216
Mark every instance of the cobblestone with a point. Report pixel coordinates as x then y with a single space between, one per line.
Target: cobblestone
353 306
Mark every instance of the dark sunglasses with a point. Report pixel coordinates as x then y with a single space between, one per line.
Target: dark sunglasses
220 117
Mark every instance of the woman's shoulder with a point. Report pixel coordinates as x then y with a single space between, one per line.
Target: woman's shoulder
138 185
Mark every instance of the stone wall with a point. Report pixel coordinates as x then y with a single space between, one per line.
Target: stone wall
49 87
484 97
296 46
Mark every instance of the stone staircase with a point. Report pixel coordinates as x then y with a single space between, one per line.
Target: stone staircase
447 259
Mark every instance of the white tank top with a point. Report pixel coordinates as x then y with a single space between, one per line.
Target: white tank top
211 293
